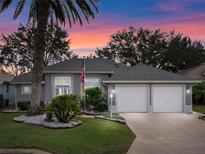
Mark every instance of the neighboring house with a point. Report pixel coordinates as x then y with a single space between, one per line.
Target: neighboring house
140 88
197 72
6 89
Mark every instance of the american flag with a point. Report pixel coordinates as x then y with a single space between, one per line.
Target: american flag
82 76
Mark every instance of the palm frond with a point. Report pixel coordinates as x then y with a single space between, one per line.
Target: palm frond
4 4
93 2
67 11
58 10
84 8
19 8
32 12
74 12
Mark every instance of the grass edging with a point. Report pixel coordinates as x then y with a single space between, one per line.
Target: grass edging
111 119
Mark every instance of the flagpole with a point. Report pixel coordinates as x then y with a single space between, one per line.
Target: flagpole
84 85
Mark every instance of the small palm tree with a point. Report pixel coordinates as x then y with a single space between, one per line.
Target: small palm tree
40 13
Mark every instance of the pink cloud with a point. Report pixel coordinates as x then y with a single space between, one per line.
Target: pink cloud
170 5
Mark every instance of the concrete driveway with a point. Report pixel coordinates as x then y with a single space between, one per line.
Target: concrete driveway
166 133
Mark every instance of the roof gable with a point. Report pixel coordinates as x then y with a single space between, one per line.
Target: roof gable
75 65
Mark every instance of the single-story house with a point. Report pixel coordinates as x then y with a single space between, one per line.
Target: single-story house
6 89
140 88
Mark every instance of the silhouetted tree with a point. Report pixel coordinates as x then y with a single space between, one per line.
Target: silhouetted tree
17 50
168 51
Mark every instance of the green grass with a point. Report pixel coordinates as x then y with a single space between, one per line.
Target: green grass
199 108
94 136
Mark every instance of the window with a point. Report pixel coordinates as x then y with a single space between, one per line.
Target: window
26 89
62 85
92 82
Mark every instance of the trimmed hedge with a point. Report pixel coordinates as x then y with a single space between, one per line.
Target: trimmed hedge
26 105
95 99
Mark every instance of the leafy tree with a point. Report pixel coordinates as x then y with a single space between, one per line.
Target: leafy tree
18 48
40 13
169 51
13 69
199 92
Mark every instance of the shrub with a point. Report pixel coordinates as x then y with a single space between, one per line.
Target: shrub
95 99
24 105
49 113
101 107
65 107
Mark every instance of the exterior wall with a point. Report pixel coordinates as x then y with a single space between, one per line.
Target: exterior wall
187 97
8 95
75 84
26 97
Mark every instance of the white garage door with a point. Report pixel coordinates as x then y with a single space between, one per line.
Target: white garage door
131 98
167 98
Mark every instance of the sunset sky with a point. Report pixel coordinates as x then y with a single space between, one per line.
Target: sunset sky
185 16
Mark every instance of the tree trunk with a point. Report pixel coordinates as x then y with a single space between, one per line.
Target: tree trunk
37 72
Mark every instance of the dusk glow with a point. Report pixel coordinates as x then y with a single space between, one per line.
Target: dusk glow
185 16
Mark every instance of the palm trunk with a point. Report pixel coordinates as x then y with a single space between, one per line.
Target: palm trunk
38 56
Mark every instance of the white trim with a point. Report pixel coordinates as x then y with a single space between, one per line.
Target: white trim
62 75
153 81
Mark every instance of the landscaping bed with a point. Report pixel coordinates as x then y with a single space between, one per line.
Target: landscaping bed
106 116
41 120
95 136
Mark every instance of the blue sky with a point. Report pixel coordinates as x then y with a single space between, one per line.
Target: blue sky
185 16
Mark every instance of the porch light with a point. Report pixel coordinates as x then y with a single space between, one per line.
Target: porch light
113 91
111 95
188 91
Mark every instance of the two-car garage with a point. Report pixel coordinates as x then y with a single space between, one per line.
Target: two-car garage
149 98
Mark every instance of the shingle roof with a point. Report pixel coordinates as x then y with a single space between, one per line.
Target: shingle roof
143 72
92 65
196 72
5 77
119 72
27 77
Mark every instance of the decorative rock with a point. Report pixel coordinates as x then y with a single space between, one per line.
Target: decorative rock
39 120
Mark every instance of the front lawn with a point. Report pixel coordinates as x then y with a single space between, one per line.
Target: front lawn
94 136
199 108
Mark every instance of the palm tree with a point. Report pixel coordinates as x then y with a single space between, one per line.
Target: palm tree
40 13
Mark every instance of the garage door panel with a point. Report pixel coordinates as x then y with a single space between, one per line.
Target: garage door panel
131 98
167 98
